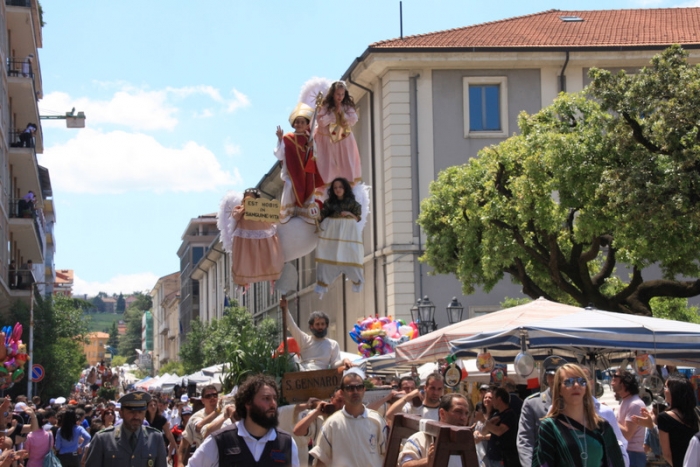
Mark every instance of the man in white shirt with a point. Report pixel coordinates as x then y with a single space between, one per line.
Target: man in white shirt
354 436
254 440
626 388
318 352
420 447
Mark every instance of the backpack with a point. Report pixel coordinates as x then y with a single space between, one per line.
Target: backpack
50 460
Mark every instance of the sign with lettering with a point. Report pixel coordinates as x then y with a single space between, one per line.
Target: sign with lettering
299 386
266 210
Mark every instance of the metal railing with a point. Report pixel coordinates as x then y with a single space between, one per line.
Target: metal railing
21 279
21 68
21 209
18 141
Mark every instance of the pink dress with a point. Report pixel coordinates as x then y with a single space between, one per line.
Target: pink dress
38 444
256 256
336 149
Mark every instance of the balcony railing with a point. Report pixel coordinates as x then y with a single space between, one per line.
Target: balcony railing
24 3
21 209
21 68
164 327
19 140
21 279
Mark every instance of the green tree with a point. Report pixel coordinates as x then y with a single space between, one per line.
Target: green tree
121 304
59 331
192 353
99 304
608 175
113 340
131 339
173 367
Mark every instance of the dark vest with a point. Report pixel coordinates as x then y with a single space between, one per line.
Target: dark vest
234 452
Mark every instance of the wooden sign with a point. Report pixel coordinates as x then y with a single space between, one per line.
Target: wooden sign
264 210
299 386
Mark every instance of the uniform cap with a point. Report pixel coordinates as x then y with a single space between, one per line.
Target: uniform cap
137 400
553 362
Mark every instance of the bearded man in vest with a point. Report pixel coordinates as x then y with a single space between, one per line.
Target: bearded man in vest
254 440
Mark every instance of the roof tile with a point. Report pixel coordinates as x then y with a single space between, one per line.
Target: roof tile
599 28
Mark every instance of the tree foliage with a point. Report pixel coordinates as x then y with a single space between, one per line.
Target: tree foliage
172 367
59 331
234 339
131 339
610 175
113 340
121 304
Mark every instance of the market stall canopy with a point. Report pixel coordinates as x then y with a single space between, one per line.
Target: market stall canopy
591 332
437 343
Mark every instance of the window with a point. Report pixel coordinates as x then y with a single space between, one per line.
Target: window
485 107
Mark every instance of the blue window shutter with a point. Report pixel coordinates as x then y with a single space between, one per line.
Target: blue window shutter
476 121
492 108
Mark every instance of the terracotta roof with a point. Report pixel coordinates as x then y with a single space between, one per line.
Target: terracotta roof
599 28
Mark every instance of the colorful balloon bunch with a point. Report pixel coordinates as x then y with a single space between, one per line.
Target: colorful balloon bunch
13 356
379 336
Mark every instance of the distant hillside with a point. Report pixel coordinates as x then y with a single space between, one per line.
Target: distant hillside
102 321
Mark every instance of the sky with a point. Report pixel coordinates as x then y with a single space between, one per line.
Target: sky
182 100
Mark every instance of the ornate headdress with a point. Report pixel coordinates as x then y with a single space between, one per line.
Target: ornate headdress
301 110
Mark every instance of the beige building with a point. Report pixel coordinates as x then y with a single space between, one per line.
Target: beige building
26 224
432 101
166 319
94 350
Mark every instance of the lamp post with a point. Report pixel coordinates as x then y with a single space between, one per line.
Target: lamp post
423 314
454 311
31 338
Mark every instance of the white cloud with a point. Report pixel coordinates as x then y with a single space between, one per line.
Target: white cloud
239 100
137 108
231 149
140 282
118 162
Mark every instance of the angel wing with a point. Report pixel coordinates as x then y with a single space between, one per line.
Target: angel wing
311 88
225 221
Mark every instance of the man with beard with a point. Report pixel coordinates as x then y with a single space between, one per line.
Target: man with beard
318 352
130 443
420 447
253 440
354 436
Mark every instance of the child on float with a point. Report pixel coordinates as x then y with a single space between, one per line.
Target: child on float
256 255
299 171
339 247
336 149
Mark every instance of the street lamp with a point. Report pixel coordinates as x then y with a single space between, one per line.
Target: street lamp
454 311
423 314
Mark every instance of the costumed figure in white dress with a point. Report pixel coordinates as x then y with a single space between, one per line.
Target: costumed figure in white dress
336 149
339 247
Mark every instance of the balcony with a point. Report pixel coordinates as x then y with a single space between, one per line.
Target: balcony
164 356
26 229
22 90
171 334
24 165
164 327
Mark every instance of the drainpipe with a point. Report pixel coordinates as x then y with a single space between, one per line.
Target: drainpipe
374 193
413 88
562 77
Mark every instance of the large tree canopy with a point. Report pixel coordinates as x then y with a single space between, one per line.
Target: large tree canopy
605 177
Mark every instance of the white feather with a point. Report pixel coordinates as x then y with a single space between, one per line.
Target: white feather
311 88
225 221
361 192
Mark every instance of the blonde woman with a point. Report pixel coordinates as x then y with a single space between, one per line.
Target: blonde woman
572 434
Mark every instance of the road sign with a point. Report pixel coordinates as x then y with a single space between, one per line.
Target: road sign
38 373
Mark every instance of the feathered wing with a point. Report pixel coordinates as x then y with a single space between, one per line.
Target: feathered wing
225 221
361 192
311 88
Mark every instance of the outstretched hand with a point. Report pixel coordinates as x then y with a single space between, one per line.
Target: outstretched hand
279 133
646 419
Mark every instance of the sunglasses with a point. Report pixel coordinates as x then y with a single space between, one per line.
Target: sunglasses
354 387
616 376
210 395
569 382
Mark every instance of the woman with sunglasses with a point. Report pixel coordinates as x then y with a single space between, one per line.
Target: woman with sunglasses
572 434
156 420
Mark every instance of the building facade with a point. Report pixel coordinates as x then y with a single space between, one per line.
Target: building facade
432 101
27 212
166 317
94 350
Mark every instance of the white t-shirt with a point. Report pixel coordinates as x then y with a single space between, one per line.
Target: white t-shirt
416 447
316 354
430 413
347 441
632 405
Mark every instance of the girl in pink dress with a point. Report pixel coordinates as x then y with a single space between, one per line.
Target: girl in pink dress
256 256
337 155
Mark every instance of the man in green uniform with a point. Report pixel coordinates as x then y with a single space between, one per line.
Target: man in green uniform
130 444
